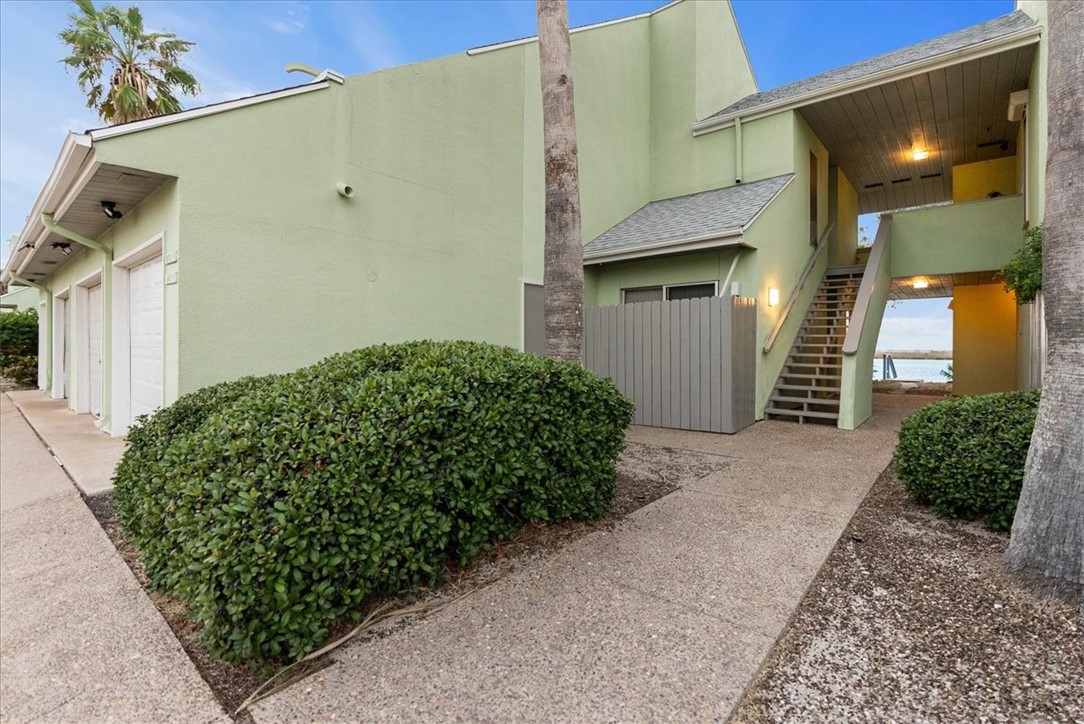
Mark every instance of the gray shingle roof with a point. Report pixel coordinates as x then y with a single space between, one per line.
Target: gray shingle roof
682 217
990 30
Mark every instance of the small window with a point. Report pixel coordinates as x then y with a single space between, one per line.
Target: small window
690 291
670 292
644 294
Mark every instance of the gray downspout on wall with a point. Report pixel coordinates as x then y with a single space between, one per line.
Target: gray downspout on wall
737 151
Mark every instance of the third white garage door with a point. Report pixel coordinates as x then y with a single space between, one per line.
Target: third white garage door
145 340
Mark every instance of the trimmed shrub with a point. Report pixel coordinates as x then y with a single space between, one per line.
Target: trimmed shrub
965 457
363 474
19 346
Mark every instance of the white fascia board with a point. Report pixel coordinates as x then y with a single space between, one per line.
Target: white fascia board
730 237
1020 38
332 75
75 155
534 38
136 126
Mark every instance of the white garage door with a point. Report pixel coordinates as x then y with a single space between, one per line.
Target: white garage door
145 330
94 340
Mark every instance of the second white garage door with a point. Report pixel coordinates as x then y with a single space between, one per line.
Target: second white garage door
94 348
145 337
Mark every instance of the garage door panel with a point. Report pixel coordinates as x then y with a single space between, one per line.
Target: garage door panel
145 328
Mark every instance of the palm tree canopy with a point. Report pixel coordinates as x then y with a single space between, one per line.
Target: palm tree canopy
127 73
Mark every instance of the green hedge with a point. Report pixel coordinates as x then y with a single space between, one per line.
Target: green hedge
276 505
19 345
965 457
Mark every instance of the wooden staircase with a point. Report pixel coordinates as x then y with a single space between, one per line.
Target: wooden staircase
808 387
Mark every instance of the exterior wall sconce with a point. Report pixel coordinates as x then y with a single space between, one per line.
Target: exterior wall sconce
920 284
773 297
920 154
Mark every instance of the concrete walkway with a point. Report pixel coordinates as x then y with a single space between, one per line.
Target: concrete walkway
668 617
79 639
88 454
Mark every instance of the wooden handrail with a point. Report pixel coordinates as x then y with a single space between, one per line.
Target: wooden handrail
866 288
822 244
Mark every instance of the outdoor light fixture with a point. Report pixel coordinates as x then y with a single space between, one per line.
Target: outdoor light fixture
65 248
920 154
920 284
773 297
109 208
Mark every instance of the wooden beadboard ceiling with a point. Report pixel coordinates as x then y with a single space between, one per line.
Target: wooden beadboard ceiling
958 113
940 285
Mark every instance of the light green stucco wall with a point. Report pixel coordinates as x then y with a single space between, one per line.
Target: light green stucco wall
973 236
1035 162
22 297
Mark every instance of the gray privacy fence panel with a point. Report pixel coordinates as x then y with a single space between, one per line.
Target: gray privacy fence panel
688 364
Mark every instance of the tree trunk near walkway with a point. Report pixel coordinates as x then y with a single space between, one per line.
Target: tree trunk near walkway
564 239
1048 531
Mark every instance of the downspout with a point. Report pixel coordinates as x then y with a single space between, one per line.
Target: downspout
725 291
49 223
737 151
48 325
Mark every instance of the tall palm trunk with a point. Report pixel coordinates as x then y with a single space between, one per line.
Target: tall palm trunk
564 245
1048 531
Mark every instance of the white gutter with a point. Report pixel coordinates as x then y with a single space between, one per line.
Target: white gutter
322 81
534 38
1017 39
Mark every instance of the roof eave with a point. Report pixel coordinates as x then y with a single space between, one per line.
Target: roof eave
1015 39
714 240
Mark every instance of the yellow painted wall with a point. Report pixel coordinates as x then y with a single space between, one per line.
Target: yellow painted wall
974 181
983 340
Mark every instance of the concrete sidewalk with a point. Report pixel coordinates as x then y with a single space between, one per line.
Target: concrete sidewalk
88 454
79 639
668 617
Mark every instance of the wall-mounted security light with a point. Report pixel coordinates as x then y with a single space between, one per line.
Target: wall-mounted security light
109 208
773 297
65 247
920 284
345 190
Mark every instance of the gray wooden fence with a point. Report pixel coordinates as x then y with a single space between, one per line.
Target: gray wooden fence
688 364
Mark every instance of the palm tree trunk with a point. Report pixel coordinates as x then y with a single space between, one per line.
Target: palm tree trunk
1048 531
564 239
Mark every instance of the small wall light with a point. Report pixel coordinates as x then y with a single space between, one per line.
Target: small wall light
773 297
920 154
920 284
65 248
109 208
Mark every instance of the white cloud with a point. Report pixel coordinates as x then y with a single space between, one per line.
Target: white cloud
288 26
376 45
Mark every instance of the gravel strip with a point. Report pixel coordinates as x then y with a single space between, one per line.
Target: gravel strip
914 617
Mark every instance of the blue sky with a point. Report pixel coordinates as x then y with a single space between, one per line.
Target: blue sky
241 48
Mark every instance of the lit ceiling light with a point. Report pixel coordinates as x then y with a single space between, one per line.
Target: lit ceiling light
920 154
109 208
920 284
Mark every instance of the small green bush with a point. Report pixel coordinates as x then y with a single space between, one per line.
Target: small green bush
1023 274
287 505
19 346
965 457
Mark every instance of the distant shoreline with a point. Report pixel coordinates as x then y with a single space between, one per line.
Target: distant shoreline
915 354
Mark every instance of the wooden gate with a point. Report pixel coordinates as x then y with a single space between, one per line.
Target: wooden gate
688 364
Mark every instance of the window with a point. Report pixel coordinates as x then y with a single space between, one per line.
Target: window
670 292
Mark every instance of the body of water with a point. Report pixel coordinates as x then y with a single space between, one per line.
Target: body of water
925 370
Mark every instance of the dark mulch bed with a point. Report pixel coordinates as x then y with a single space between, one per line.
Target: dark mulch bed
915 618
645 474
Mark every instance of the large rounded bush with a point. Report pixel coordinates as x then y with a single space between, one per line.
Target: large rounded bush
965 457
364 474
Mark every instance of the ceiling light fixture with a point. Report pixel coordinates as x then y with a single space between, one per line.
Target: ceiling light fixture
920 284
65 247
920 154
109 208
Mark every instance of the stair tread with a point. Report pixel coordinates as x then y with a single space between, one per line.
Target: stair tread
801 413
806 387
805 400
